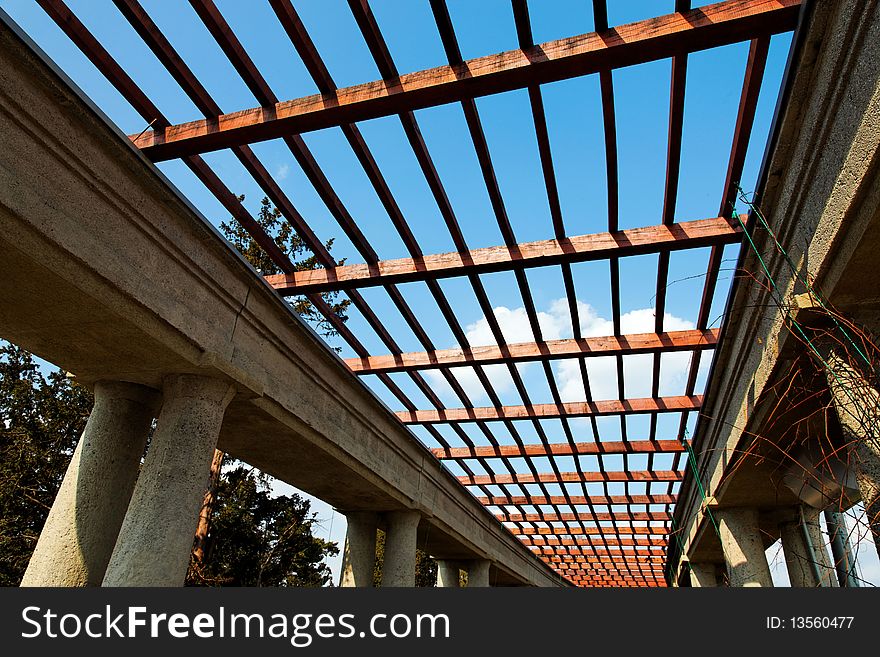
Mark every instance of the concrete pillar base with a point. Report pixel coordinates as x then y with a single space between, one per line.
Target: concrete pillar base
448 575
399 567
743 547
703 575
156 538
478 573
802 556
359 553
81 529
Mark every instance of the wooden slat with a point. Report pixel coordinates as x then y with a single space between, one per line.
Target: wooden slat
715 231
652 530
572 477
588 569
568 409
573 558
627 554
560 449
639 516
514 500
649 40
651 543
640 343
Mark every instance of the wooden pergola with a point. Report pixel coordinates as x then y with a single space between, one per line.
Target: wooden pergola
593 540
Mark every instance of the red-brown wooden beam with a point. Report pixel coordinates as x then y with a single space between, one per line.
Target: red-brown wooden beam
573 558
560 449
616 582
639 516
635 343
713 231
651 530
650 543
572 477
589 569
569 409
649 40
625 553
539 500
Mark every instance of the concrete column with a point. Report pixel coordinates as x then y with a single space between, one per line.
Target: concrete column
359 553
841 552
857 404
801 558
827 573
448 575
743 547
81 529
478 573
703 574
399 568
156 538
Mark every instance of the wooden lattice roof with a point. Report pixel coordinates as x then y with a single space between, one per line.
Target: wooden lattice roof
618 537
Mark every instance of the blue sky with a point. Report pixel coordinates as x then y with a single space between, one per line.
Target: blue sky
574 115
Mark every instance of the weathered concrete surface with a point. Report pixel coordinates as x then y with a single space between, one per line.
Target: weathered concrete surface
81 529
857 403
448 575
800 558
359 551
743 547
478 573
110 274
821 196
399 567
703 575
156 537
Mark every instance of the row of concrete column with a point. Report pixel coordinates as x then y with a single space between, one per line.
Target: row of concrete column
806 557
399 567
115 522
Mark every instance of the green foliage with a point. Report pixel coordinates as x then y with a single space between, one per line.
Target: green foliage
41 419
426 567
291 245
260 540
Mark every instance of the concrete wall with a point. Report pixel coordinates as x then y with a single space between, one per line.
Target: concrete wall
821 196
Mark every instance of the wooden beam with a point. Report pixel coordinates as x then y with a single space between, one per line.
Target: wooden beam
636 343
639 516
651 530
572 477
560 449
651 543
515 500
598 246
574 558
648 40
631 554
568 410
588 569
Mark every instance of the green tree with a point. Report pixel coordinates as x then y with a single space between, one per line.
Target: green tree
260 540
237 539
41 420
291 245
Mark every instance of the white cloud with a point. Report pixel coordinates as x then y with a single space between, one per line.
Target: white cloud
555 324
637 370
282 171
